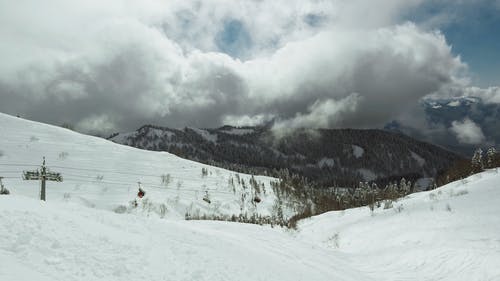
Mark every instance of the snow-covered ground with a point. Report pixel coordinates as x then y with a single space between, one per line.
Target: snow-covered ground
451 233
65 241
101 174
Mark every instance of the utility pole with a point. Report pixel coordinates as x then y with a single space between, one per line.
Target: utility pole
43 174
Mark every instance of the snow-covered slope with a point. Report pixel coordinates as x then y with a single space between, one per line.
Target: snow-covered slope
64 241
99 173
451 233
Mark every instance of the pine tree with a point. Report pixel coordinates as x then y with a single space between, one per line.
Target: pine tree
477 161
491 153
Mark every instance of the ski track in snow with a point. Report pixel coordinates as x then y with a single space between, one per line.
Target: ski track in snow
452 233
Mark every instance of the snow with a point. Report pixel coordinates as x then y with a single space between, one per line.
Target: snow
238 131
423 183
123 137
454 103
64 241
205 134
326 162
357 151
101 174
451 233
367 174
420 160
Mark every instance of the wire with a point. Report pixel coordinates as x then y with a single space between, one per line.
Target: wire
94 179
19 165
150 186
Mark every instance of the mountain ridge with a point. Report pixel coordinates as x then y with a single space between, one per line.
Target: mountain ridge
329 157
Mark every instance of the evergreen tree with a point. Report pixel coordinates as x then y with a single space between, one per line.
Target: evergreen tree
477 161
491 154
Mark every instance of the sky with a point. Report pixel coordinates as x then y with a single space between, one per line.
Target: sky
109 66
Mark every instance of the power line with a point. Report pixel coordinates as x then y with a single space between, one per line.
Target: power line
19 165
147 185
81 178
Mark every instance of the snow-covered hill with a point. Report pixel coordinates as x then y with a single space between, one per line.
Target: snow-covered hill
451 233
99 173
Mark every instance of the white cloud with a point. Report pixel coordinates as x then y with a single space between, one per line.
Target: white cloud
321 114
488 95
97 124
205 63
467 132
247 120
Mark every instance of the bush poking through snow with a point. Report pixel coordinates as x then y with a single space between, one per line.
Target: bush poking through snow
204 172
399 208
334 240
120 209
458 193
63 155
4 191
433 196
165 179
242 218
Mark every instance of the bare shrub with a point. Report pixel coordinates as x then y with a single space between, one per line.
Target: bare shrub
334 240
433 196
63 155
458 193
166 179
399 208
120 209
448 207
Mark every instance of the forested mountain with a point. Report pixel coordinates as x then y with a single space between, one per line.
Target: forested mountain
327 157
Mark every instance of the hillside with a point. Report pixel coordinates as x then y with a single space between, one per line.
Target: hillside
342 157
450 233
101 174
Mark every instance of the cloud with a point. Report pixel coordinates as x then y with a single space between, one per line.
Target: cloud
321 114
116 65
96 124
467 132
490 95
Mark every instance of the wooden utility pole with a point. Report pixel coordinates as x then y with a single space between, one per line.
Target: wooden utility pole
43 175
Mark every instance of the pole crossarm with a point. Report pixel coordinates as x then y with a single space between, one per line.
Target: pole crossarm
43 175
31 175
